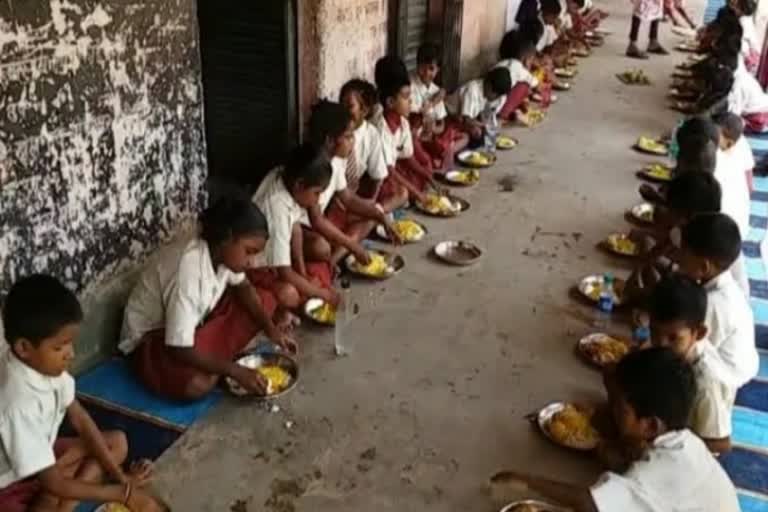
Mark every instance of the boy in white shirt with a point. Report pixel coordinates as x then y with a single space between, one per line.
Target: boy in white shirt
678 309
651 402
710 245
479 98
735 145
38 471
517 53
748 99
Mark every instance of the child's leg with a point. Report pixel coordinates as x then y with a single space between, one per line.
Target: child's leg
515 99
684 14
634 31
315 246
653 40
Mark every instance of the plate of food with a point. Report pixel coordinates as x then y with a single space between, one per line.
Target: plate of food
458 252
651 145
538 98
320 311
688 47
565 72
682 73
383 265
581 52
409 231
476 159
601 349
280 371
561 85
682 94
621 244
634 77
532 506
591 287
569 426
643 213
442 205
684 107
462 177
656 172
503 142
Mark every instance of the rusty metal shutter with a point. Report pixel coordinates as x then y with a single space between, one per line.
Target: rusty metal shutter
417 17
453 14
249 85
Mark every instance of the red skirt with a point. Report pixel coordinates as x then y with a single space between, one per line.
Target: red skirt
224 335
515 100
755 123
18 496
267 278
338 215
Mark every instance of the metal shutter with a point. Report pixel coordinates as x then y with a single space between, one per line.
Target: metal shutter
417 12
249 85
451 35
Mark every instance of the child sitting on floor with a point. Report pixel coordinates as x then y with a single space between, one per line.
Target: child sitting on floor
735 146
747 98
750 43
283 197
366 167
193 310
39 471
517 54
709 247
678 309
654 391
479 99
331 233
428 112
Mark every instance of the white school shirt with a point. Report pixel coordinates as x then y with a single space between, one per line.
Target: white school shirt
677 474
282 213
470 100
518 73
176 291
731 329
369 153
396 145
32 408
713 404
742 155
746 95
337 184
548 37
421 93
749 39
735 191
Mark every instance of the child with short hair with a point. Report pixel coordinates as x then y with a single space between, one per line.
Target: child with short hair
428 116
517 54
678 309
478 99
284 196
651 401
331 233
734 144
42 318
709 247
193 310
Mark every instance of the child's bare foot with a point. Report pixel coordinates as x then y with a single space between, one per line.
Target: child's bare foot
656 48
635 53
286 321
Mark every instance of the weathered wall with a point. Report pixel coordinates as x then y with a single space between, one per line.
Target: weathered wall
101 140
348 36
483 27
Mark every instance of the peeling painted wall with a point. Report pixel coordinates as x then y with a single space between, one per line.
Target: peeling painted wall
483 27
101 134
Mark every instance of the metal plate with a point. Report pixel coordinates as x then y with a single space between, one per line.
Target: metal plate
381 232
597 338
395 262
561 85
455 177
567 72
661 149
643 212
540 506
464 158
588 285
611 244
254 361
458 252
682 73
687 47
543 419
647 173
310 306
461 204
505 143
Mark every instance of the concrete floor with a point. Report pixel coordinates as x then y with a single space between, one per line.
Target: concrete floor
449 360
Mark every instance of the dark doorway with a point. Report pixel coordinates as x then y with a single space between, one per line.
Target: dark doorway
248 52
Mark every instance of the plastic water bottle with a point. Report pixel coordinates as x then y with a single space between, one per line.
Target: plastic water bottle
605 303
491 132
342 319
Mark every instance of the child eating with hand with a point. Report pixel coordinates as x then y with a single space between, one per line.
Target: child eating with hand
479 99
651 403
38 470
710 244
517 53
678 309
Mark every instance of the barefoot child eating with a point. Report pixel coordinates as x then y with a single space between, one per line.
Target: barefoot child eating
38 471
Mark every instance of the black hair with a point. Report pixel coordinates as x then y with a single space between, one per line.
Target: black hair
714 236
730 125
37 307
551 7
309 165
391 76
364 89
718 83
532 30
514 45
677 298
428 53
657 383
579 3
528 12
232 217
697 153
499 80
747 7
691 193
328 120
699 125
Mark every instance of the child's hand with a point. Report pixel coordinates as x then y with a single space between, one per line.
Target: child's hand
361 255
142 502
251 380
140 472
331 296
